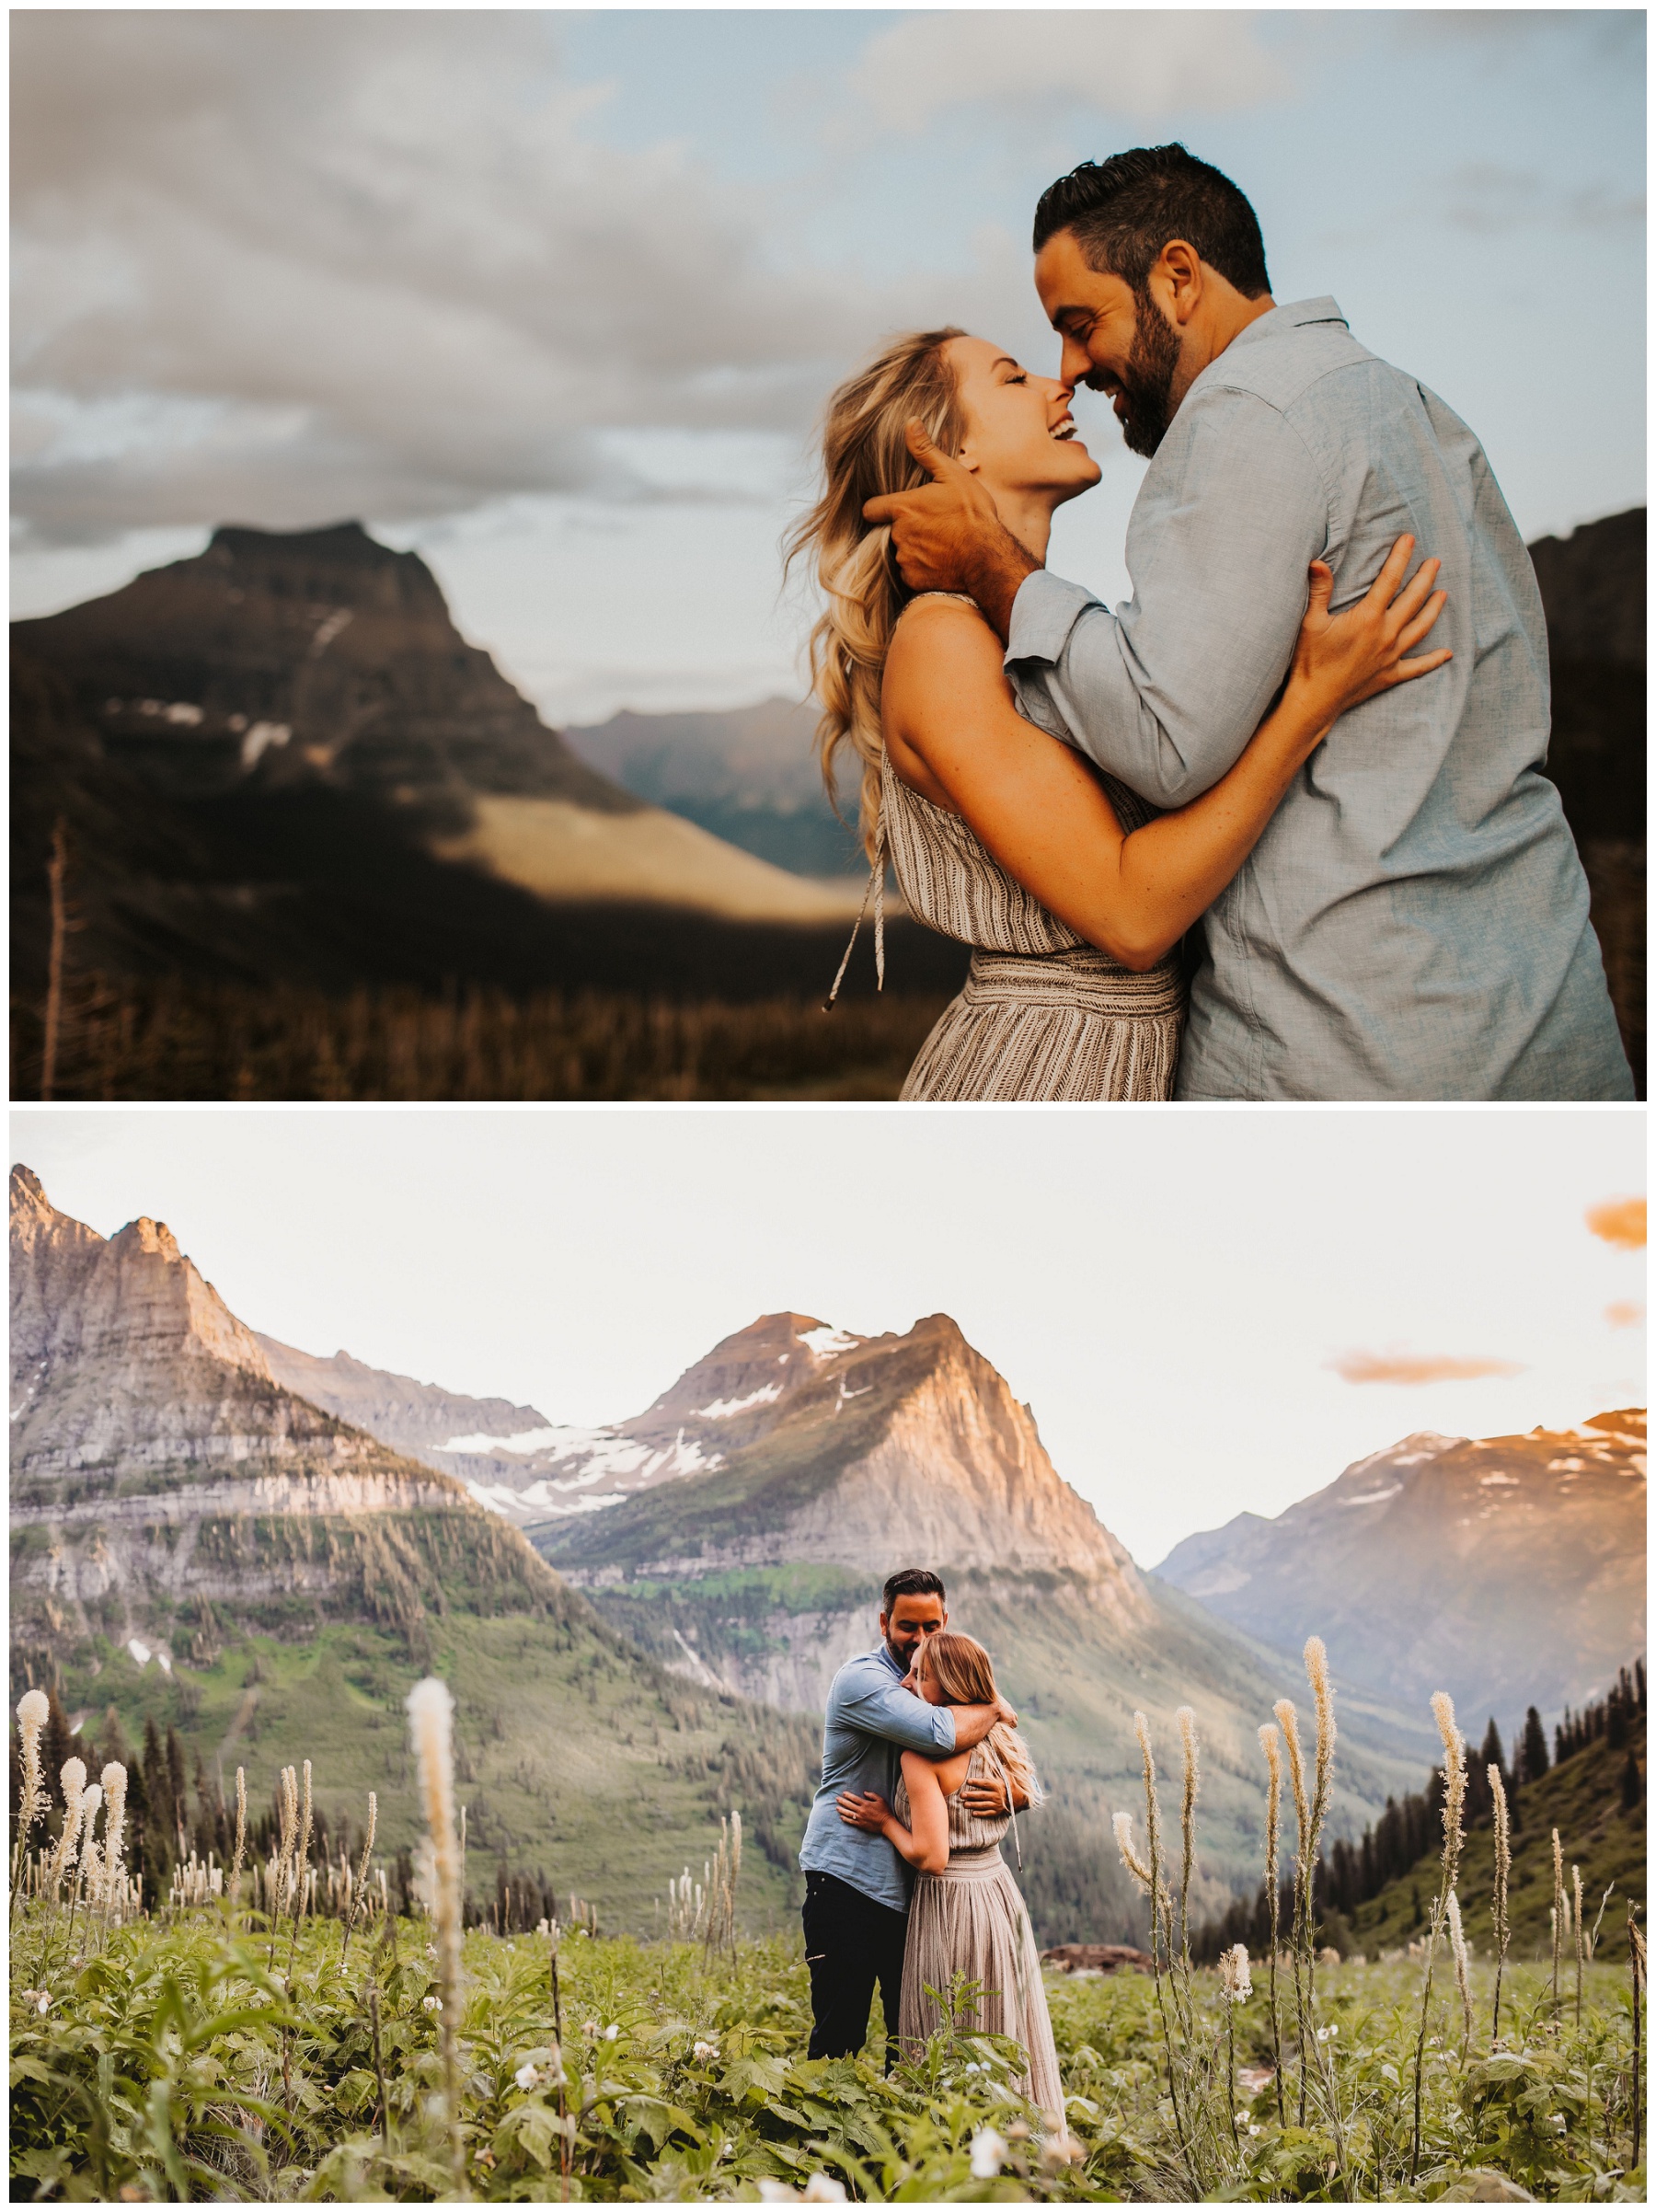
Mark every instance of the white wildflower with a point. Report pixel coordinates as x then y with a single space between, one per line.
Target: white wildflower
611 2033
822 2189
703 2051
989 2149
527 2075
432 2004
1235 1980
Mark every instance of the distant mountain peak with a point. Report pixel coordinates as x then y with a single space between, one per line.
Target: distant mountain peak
1507 1569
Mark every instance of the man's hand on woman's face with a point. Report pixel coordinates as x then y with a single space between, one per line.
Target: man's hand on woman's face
864 1810
948 536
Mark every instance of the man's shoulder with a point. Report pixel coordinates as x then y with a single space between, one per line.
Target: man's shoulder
862 1672
1292 365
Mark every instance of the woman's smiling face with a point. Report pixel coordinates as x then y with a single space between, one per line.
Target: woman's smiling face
1020 436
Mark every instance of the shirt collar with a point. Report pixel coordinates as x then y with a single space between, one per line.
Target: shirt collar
1294 316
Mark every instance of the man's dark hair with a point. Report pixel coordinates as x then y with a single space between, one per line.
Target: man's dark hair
911 1582
1123 211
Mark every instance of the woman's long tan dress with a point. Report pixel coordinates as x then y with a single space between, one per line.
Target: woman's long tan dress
970 1921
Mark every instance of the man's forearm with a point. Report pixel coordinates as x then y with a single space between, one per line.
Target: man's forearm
973 1723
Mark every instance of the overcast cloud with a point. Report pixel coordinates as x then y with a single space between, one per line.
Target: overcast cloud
557 297
345 262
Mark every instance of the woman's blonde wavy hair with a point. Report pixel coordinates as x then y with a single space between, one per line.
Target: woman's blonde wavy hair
964 1674
864 455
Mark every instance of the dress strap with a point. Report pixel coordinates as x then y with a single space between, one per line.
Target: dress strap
876 884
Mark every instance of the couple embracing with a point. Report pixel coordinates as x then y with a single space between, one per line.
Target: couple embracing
1293 762
923 1773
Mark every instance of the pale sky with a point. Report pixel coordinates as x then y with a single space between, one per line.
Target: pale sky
1173 1293
556 296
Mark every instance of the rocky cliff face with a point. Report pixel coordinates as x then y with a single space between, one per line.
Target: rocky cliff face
1507 1569
413 1417
871 1435
159 1469
304 656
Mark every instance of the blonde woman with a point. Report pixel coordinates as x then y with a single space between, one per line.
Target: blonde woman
966 1917
1071 892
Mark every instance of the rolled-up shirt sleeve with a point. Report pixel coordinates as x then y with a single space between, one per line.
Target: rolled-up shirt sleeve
1166 693
898 1716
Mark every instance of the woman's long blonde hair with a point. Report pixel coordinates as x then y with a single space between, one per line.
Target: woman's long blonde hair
864 455
963 1672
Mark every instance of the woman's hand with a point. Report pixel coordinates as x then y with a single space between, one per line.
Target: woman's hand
1341 659
867 1811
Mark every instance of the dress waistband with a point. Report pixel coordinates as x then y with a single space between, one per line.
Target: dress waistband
980 1865
1081 976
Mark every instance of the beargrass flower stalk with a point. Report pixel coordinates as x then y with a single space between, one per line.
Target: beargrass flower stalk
86 1874
1463 1972
114 1780
288 1814
1271 1745
1122 1824
1288 1722
302 1863
1557 1913
1581 1938
71 1777
1454 1799
34 1710
1158 1934
1322 1697
431 1719
359 1885
1236 1985
1635 1964
1503 1870
735 1870
241 1836
1186 1718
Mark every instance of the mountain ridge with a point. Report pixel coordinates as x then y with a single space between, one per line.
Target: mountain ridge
193 1544
1499 1568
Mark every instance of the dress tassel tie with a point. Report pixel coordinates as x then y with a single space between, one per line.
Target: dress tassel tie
876 884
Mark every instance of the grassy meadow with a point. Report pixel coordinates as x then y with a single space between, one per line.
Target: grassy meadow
176 2059
122 1038
283 2024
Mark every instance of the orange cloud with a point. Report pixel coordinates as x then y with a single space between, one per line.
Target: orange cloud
1416 1367
1626 1313
1619 1221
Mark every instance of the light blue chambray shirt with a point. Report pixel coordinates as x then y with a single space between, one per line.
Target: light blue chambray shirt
1413 922
871 1721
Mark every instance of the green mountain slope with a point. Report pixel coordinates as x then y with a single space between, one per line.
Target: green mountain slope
1582 1799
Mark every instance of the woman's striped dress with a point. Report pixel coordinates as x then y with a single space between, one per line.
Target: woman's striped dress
1043 1014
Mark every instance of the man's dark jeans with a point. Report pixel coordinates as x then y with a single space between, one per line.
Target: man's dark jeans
850 1943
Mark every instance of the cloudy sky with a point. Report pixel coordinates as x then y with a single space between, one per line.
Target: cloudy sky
556 296
1208 1311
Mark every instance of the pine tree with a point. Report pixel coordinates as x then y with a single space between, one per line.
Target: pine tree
1632 1791
1492 1753
1536 1761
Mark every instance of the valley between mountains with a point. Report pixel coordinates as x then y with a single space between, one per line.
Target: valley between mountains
262 1548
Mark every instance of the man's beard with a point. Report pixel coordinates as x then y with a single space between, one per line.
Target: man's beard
1147 384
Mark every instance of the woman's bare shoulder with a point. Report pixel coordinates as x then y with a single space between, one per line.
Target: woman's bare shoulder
937 638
